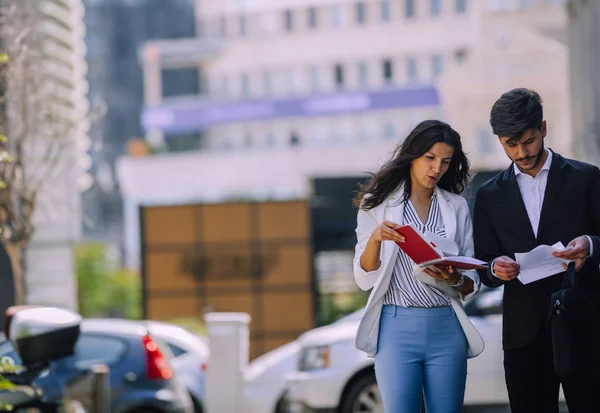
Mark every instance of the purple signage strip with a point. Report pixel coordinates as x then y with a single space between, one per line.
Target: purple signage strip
197 115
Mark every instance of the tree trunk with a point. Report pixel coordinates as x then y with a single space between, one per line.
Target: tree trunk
15 254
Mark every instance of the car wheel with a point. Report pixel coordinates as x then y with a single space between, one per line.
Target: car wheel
362 397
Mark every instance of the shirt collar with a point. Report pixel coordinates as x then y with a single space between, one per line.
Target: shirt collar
545 167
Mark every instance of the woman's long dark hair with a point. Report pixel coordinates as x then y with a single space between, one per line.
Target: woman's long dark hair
397 170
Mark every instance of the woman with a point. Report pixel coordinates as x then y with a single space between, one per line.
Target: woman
415 327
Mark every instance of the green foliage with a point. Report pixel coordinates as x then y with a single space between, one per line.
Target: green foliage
332 307
104 289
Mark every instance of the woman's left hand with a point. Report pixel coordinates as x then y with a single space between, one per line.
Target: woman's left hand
446 274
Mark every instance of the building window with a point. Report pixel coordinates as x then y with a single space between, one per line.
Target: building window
292 81
363 75
526 4
312 17
411 69
436 7
242 25
288 20
337 14
339 76
361 12
437 65
461 6
313 76
267 83
245 85
485 142
385 10
223 26
224 86
388 72
270 139
248 140
389 130
410 9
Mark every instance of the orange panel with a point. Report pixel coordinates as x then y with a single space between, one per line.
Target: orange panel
169 308
226 222
292 265
289 311
168 225
231 303
283 220
167 271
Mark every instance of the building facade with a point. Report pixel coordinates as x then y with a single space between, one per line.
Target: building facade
297 91
584 17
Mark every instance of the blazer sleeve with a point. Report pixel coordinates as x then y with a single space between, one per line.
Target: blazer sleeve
487 244
366 223
594 205
466 246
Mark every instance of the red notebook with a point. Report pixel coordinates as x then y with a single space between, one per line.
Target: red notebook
425 253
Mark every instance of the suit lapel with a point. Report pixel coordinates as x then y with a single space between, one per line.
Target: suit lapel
512 196
556 179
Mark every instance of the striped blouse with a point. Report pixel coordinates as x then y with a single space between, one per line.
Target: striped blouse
405 290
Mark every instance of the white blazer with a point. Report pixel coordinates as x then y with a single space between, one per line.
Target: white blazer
459 229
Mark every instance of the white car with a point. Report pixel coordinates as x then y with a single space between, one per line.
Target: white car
325 372
333 376
264 379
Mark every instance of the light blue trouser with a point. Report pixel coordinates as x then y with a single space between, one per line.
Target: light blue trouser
421 350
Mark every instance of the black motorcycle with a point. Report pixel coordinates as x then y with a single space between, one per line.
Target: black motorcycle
39 335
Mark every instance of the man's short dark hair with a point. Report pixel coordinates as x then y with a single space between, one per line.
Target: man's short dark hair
517 111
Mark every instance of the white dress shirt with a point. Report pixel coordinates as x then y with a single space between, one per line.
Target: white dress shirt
532 191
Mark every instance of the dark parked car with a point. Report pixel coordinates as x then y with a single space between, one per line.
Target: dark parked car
141 377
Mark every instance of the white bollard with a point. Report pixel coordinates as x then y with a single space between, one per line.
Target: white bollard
228 336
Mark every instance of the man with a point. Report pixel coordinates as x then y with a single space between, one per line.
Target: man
542 198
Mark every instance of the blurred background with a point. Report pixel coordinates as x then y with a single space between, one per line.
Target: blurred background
218 143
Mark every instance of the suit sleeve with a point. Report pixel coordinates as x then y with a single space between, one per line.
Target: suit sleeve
594 205
487 245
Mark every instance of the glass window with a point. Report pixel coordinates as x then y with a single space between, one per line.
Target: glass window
223 25
526 4
389 130
98 349
485 142
267 83
337 15
436 7
270 139
339 76
288 20
410 9
388 72
312 17
361 12
411 69
8 353
385 10
437 64
242 25
176 350
461 6
363 75
245 85
314 78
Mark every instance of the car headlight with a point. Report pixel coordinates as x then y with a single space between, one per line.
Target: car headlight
314 358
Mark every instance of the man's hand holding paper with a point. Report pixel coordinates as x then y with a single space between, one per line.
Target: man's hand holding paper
578 250
541 262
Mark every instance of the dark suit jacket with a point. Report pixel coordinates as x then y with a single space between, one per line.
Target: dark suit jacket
571 208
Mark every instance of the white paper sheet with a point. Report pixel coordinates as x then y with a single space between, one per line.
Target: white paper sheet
539 263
